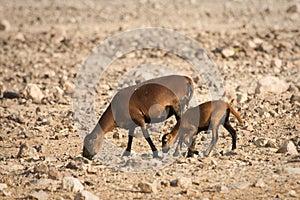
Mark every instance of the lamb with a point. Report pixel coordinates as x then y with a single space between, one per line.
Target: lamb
207 116
152 101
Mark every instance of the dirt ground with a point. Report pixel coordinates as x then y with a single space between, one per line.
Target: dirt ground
255 45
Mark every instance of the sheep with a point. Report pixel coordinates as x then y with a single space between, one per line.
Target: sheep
151 101
207 116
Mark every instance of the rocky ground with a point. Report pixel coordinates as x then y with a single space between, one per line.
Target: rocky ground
254 44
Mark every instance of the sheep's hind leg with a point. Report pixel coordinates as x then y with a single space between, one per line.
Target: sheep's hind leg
129 144
147 137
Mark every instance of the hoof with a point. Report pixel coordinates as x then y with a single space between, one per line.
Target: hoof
176 154
192 152
155 154
87 154
126 153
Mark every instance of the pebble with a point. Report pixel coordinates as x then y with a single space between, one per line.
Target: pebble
276 62
72 184
40 195
292 193
20 37
86 195
242 97
288 147
239 185
33 92
227 52
10 95
222 188
293 9
192 192
182 182
26 151
147 187
3 186
292 170
4 25
295 98
271 84
54 174
42 168
260 183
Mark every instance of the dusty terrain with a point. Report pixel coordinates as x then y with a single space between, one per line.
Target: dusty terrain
254 44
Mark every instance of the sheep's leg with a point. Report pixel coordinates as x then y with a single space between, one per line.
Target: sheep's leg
178 147
191 149
129 144
232 132
214 140
147 137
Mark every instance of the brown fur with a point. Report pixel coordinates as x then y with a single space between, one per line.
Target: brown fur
206 116
149 102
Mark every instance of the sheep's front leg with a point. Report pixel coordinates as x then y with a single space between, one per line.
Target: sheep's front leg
214 141
147 137
129 144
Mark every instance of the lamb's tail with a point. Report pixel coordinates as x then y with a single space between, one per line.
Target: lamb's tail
234 112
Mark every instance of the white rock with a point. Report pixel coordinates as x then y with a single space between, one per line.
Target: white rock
2 186
148 187
276 62
192 192
86 195
260 183
292 170
271 84
222 188
292 193
240 185
33 92
20 37
227 52
40 195
242 97
260 142
72 184
184 182
26 151
288 147
4 25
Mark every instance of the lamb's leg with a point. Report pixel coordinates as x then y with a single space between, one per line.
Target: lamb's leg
129 144
232 132
147 137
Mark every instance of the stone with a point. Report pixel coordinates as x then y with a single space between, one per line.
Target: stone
242 97
3 186
54 174
42 168
227 52
4 25
288 147
33 92
147 187
292 193
292 170
182 182
260 142
40 195
86 195
72 184
260 183
271 84
20 37
26 151
276 62
295 98
69 87
239 185
293 9
192 192
10 95
222 188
